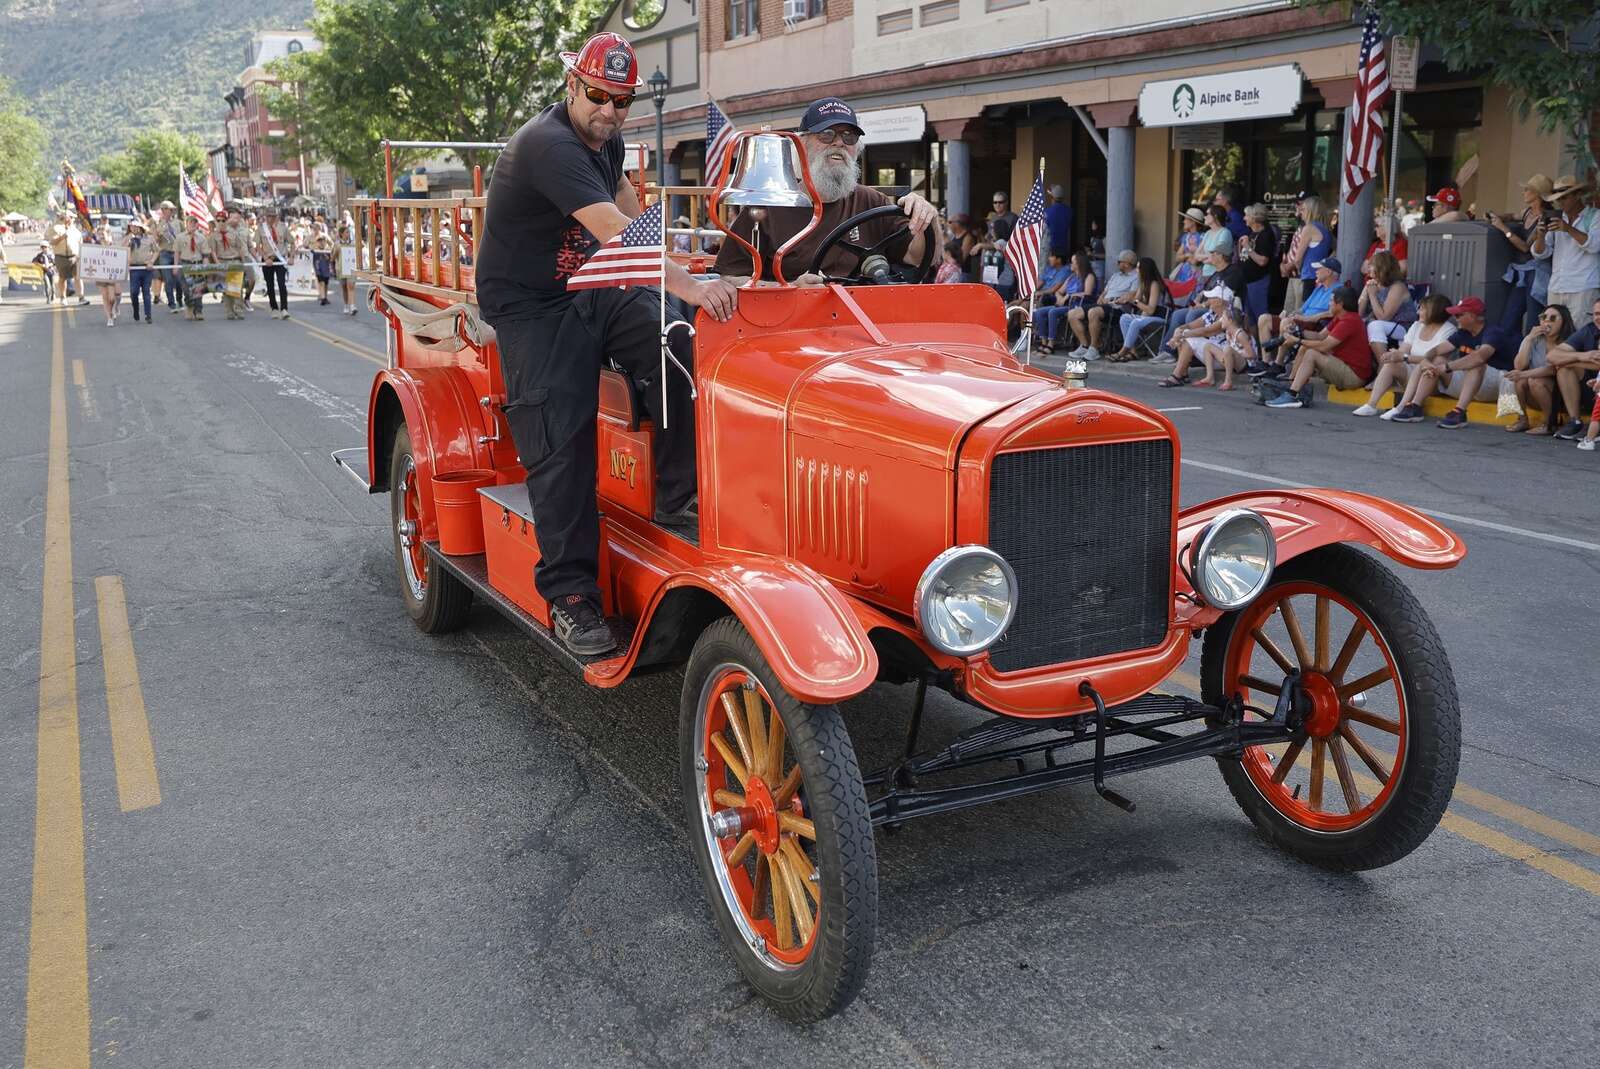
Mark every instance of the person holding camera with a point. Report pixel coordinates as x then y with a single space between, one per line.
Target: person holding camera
1569 237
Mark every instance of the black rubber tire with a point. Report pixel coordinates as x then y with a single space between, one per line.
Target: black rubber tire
1434 728
445 599
836 802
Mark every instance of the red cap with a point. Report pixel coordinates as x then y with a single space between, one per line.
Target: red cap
606 60
1449 196
1472 305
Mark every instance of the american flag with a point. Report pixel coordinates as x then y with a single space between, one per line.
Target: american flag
719 132
1363 137
632 258
1022 250
193 200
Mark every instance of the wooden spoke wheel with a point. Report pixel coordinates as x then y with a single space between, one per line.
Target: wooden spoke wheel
1373 761
779 822
438 602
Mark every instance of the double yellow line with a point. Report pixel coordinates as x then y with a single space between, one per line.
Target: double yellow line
354 348
57 1031
1505 845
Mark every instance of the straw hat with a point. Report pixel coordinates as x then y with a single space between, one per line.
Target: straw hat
1540 184
1567 184
1194 213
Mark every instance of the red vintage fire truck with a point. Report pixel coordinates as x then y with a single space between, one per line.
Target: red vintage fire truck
887 493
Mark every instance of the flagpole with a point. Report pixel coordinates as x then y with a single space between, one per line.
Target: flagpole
660 200
1027 328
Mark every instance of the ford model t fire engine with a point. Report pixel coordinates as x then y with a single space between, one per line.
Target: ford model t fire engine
886 493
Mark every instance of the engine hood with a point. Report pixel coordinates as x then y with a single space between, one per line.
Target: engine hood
912 402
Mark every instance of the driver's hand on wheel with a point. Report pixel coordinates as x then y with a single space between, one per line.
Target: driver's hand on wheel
919 211
810 280
717 296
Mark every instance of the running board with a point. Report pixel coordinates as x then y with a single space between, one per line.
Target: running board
354 463
474 572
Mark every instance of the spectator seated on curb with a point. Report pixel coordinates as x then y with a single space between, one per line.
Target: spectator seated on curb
1340 355
1432 331
1210 328
1146 313
1220 268
1586 443
1532 374
1313 314
1575 361
1481 354
1087 321
1386 304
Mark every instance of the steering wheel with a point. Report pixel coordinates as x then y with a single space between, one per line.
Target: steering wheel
898 272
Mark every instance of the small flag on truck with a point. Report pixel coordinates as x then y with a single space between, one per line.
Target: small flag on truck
632 258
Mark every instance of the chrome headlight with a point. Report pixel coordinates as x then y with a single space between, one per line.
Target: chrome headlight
966 599
1233 558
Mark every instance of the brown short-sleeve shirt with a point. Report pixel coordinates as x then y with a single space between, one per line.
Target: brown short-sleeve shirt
782 224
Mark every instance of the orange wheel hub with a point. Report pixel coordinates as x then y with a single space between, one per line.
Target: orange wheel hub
1323 720
762 818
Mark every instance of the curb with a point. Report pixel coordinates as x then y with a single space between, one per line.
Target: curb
1436 407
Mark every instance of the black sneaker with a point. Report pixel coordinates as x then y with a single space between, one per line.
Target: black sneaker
1454 419
1410 414
687 515
1571 432
580 627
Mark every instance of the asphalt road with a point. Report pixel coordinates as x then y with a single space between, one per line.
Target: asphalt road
374 848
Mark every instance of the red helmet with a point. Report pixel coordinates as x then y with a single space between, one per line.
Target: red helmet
606 60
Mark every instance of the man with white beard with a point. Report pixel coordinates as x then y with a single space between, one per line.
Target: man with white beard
832 139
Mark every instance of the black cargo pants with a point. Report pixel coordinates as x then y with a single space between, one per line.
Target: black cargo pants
552 372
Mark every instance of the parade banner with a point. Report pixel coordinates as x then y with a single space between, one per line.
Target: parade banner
103 263
302 277
25 274
233 282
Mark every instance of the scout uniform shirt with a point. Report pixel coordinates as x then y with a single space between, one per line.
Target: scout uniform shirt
230 242
274 243
60 239
166 232
192 246
142 250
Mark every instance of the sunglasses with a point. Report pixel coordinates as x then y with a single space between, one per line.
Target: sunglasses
833 133
596 95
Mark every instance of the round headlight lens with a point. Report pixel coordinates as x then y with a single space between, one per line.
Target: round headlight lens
1234 558
966 599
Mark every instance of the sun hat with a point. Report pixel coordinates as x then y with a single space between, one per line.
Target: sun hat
1540 184
1193 213
1565 185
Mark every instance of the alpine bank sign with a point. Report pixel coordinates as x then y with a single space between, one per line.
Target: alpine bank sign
1207 98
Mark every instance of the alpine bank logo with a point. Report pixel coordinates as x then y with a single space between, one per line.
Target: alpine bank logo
1183 100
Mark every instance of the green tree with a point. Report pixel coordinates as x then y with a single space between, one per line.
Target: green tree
1546 52
22 175
435 70
148 167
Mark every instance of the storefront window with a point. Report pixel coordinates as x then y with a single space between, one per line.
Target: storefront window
1270 160
1439 143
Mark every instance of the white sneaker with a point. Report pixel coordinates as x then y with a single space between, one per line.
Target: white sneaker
1365 410
1091 353
1389 414
1587 445
110 322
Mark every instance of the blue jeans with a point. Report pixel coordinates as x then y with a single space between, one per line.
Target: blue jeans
1256 296
1047 321
1135 325
169 279
139 279
1180 317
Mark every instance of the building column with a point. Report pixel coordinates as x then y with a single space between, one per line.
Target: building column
958 177
1355 223
1119 191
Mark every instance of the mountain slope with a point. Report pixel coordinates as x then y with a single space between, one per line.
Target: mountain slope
96 72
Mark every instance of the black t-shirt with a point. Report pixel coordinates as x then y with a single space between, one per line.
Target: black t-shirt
1234 276
531 243
784 223
1504 356
1001 226
1262 244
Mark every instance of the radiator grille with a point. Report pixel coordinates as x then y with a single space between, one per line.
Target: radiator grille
1088 531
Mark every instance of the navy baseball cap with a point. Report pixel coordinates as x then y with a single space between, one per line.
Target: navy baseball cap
1330 263
827 113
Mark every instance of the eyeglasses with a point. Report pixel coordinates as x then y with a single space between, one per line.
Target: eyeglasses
596 95
834 133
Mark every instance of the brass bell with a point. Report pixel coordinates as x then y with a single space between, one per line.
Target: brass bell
765 175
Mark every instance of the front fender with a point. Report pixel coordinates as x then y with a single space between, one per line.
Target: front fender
1303 520
439 407
805 628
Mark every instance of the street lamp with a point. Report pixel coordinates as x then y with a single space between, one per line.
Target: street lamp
658 93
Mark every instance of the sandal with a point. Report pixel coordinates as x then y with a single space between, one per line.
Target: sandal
1203 382
1538 432
1519 426
1225 386
1173 380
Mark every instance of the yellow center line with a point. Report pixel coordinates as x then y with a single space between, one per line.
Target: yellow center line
57 1033
342 343
1509 811
137 784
